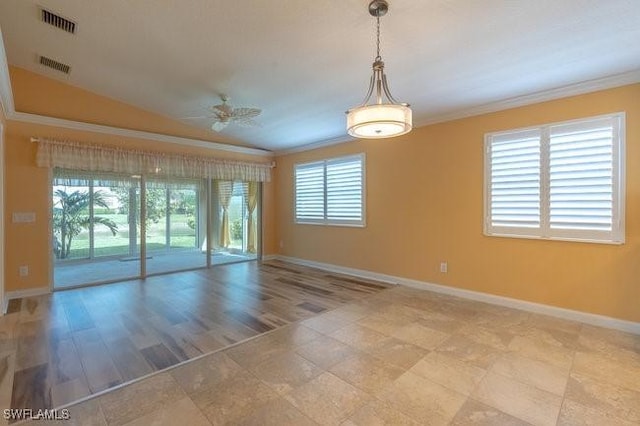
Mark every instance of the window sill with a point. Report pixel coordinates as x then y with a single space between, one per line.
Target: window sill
339 224
565 239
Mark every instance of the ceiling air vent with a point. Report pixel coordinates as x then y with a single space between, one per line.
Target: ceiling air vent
58 66
58 21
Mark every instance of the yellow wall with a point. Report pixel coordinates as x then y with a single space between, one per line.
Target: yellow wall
425 205
27 186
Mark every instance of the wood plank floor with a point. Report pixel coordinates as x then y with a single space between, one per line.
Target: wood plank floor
74 343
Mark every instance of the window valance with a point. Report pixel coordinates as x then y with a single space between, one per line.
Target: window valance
96 158
67 177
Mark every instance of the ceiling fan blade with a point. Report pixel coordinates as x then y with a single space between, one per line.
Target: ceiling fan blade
247 122
247 113
219 125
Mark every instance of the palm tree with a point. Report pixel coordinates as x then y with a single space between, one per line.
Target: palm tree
70 218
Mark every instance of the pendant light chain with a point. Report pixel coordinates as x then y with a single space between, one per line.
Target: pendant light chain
378 57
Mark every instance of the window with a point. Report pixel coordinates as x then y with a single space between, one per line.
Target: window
560 181
330 192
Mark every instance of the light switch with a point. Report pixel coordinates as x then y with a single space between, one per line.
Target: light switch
23 217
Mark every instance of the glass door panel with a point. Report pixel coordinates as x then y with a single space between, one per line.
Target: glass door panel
71 230
174 237
95 229
234 221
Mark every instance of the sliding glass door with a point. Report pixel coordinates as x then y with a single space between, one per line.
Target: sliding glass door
98 222
96 231
174 233
235 221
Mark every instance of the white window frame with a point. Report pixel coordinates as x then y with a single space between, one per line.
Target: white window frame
327 221
617 233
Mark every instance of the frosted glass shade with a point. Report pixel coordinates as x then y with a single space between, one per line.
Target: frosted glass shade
379 121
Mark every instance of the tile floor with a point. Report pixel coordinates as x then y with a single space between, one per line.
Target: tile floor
58 348
401 357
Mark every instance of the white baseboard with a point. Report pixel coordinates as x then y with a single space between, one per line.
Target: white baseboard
267 257
538 308
389 279
30 292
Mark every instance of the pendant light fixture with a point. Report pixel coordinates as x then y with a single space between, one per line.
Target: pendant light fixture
386 117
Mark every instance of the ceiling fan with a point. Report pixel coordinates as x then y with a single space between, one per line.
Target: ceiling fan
224 113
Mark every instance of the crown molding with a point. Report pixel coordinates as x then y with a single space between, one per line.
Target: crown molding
138 134
575 89
315 145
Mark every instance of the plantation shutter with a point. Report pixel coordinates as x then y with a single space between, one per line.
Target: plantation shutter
309 192
515 181
559 181
344 189
581 176
330 192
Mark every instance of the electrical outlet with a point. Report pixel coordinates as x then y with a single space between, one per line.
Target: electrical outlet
443 267
281 244
24 271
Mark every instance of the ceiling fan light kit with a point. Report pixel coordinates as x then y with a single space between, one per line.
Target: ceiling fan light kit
224 114
386 117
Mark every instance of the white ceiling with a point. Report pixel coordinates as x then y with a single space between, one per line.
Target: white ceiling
305 62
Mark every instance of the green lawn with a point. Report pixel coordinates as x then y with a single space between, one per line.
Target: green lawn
107 244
